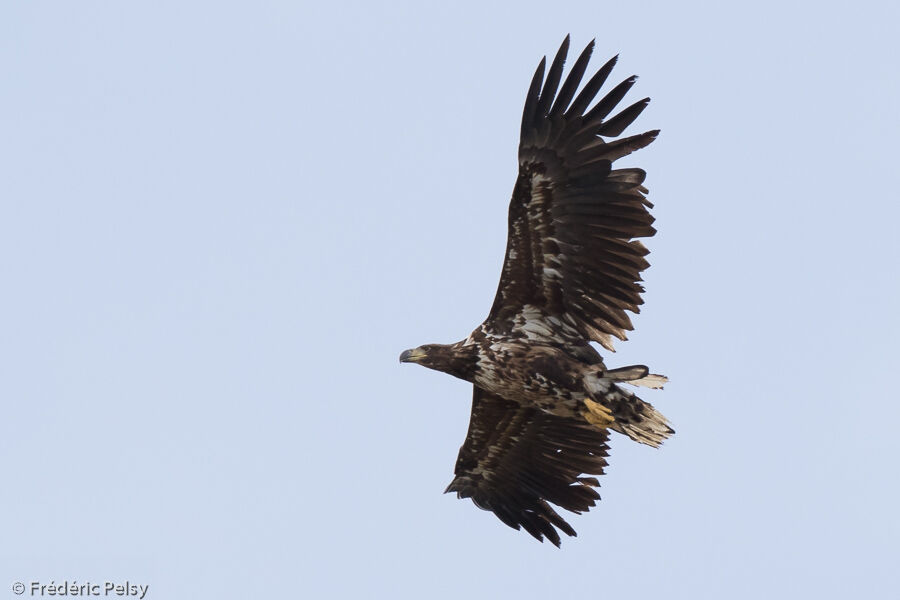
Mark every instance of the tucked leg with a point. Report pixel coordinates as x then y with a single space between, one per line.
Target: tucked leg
597 414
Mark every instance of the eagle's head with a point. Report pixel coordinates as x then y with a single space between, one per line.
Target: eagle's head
456 359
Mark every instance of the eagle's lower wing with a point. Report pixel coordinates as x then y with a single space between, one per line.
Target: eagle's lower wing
572 264
517 460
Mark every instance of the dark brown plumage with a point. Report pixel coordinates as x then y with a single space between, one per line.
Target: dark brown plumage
533 458
543 400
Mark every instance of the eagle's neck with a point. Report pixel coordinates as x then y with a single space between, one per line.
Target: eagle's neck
459 359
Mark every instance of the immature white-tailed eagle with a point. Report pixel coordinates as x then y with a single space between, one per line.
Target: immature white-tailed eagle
543 399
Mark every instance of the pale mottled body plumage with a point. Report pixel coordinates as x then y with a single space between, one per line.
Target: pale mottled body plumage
543 398
534 375
538 373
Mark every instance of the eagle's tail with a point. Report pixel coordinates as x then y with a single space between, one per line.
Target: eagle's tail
628 414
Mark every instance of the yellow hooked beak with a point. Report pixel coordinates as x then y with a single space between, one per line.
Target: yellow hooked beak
414 355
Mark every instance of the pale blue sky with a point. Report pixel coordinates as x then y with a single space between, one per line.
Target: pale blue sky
221 222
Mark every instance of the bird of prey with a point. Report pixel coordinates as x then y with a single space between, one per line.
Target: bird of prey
544 401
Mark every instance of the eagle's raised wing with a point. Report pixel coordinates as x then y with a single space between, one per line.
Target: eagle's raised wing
516 460
572 264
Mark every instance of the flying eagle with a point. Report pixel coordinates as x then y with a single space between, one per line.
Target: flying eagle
544 401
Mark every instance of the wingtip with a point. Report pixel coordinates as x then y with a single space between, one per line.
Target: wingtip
563 48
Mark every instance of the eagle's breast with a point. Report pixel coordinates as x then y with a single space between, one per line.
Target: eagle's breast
532 375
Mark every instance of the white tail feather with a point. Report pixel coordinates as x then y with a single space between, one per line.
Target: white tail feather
652 430
651 381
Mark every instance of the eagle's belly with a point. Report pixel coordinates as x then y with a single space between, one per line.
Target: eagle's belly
551 382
